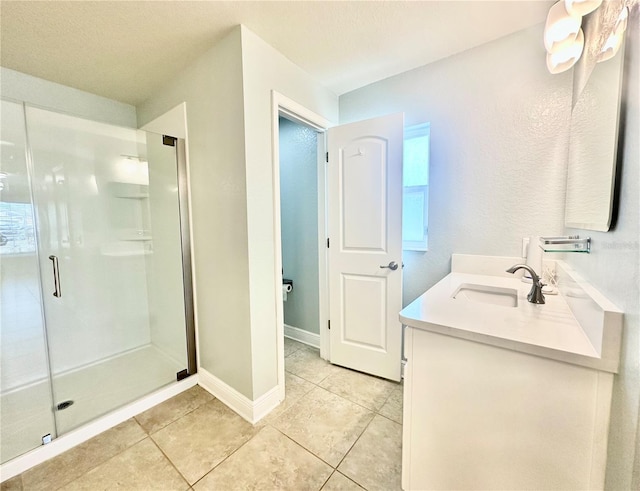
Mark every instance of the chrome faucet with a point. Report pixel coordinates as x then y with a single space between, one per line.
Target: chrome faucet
535 295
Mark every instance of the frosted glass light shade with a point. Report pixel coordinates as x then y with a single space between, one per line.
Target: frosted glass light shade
621 23
614 41
581 7
562 60
561 28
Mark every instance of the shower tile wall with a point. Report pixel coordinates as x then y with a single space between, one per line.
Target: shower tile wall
22 335
103 307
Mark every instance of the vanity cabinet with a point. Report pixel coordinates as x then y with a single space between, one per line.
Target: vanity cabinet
478 416
507 395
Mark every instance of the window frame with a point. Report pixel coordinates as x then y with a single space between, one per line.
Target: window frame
416 131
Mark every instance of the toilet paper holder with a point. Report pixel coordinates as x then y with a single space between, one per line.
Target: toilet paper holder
287 287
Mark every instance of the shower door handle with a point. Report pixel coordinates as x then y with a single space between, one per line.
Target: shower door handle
56 277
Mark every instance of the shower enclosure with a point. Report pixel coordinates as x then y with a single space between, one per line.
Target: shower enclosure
96 307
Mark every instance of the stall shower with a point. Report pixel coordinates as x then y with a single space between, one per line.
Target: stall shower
95 274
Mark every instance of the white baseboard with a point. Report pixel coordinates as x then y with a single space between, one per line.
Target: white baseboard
251 411
303 336
65 442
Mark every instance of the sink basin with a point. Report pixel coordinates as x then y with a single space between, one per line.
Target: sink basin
494 295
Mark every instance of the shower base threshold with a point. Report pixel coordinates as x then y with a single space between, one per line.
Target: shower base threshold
95 390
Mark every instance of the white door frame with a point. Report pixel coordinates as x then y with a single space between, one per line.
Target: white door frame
282 105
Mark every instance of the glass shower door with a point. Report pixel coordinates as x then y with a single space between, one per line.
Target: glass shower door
99 203
25 392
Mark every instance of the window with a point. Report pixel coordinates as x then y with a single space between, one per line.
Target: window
17 234
415 188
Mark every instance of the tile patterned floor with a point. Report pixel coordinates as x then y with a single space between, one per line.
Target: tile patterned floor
336 430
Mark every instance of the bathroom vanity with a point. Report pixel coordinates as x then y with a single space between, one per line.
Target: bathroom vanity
504 394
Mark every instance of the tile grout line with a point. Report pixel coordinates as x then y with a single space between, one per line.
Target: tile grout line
351 448
103 461
226 458
313 385
305 449
327 480
147 435
374 413
316 385
184 478
351 479
174 420
377 411
390 394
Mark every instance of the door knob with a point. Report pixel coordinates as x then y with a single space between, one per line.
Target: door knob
392 266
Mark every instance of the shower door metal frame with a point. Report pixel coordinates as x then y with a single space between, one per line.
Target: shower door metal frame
185 237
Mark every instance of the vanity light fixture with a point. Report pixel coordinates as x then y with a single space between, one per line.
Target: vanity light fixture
561 28
581 7
614 41
564 59
564 38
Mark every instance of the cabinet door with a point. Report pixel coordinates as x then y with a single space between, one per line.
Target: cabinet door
482 417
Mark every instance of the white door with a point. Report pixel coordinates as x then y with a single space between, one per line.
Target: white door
365 252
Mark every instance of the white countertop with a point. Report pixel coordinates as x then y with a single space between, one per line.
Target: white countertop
549 330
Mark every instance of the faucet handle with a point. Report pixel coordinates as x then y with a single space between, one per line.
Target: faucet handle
535 295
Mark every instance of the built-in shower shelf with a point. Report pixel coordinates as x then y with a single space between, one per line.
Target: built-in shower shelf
129 190
134 235
125 248
129 253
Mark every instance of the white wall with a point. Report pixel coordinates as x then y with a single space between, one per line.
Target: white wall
498 144
264 70
48 95
212 89
228 97
299 223
498 150
613 267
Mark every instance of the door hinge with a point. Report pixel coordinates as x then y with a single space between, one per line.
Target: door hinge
169 141
327 156
327 242
329 324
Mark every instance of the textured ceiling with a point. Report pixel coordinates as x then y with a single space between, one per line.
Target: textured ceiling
126 50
